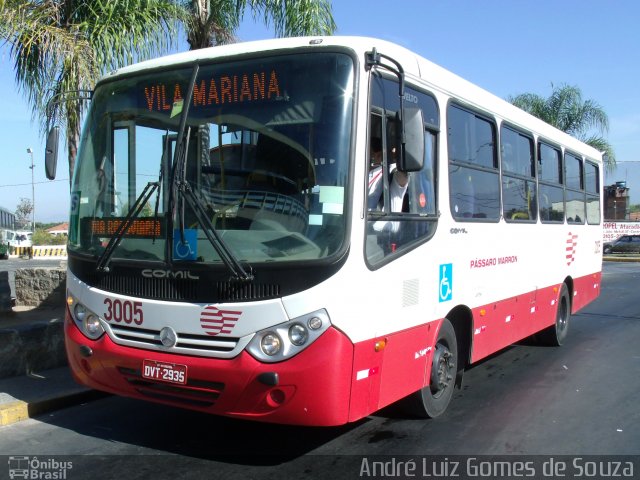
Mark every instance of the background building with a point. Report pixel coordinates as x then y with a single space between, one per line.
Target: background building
616 201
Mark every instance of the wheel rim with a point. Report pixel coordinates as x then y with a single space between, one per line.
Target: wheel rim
442 370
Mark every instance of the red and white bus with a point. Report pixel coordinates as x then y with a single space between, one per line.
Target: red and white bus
224 255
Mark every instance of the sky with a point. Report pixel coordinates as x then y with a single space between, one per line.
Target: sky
507 47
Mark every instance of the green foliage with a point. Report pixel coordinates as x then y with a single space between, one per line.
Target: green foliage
42 237
214 22
61 47
566 110
634 208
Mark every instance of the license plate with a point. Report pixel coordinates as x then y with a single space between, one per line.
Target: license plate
164 372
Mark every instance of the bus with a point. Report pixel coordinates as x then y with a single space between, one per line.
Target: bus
7 232
224 256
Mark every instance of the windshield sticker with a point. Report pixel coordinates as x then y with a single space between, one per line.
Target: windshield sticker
177 108
331 194
187 250
76 200
216 90
334 208
315 219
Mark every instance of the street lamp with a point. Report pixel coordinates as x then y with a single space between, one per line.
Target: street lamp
33 194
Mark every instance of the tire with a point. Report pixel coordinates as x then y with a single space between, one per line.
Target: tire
432 400
556 334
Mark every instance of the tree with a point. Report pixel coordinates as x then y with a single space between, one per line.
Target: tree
214 22
63 46
23 212
566 110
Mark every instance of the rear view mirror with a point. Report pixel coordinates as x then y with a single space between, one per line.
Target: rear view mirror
412 157
51 153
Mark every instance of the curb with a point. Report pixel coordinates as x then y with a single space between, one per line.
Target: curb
609 258
34 394
19 410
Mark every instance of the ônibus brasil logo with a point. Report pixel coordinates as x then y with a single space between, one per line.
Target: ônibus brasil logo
215 321
32 467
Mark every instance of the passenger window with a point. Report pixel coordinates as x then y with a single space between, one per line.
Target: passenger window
519 200
592 188
474 183
550 188
574 190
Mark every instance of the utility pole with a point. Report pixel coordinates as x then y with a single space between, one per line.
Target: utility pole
33 194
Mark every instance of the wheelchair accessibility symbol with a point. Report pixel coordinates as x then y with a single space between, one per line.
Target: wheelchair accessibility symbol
188 249
446 282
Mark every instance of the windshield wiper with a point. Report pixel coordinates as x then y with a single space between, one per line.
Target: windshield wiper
179 165
181 191
195 203
116 238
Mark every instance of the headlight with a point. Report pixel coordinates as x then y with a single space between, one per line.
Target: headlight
88 322
270 344
80 312
92 327
314 323
298 334
288 339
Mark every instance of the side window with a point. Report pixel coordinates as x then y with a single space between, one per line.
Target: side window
519 201
574 189
401 206
474 183
550 190
592 188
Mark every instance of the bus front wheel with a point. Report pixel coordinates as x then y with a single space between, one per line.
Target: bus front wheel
432 400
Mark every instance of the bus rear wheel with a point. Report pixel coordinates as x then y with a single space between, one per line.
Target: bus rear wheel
432 400
556 334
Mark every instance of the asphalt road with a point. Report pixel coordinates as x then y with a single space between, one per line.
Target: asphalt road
580 399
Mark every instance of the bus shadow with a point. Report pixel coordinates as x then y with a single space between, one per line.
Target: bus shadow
151 429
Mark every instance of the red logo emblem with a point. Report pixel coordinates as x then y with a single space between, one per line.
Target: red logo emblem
572 241
215 321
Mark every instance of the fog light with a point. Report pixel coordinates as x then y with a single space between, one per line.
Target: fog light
270 344
277 397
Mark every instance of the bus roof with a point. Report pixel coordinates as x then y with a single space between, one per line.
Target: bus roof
417 68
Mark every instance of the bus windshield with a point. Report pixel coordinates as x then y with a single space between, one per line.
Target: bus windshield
266 157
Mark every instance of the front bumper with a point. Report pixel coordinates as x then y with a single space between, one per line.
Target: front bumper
313 387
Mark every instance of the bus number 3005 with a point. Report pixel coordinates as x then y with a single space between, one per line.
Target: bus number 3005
123 311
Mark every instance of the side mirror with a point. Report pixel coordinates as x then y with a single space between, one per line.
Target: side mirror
412 155
51 153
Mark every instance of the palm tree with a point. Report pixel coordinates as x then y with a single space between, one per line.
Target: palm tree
566 110
63 46
214 22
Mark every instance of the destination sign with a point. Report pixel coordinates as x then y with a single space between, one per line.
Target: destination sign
216 90
139 227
